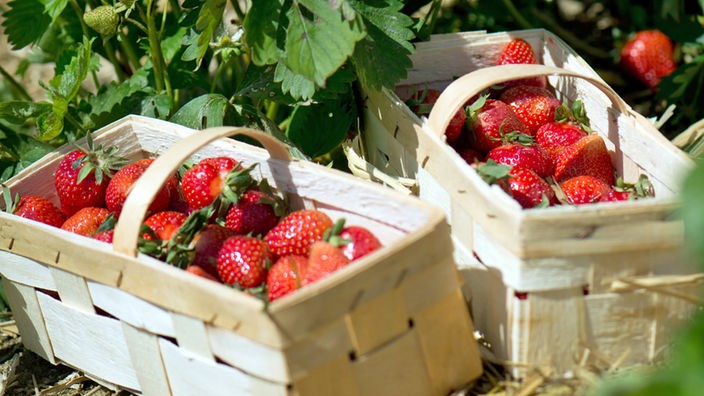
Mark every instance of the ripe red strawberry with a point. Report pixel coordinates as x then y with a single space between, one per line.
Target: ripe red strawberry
469 155
423 102
214 177
105 236
86 221
82 176
206 244
285 276
34 207
199 271
584 189
533 105
324 259
612 195
360 242
255 213
529 189
648 56
587 156
121 184
243 261
165 224
489 120
297 231
519 51
523 152
554 136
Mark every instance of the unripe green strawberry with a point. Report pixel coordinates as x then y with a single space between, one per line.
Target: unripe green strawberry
103 19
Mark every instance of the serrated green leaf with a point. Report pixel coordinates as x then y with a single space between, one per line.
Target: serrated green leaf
69 81
202 112
261 25
209 18
18 112
318 128
25 22
113 94
293 84
54 8
382 58
318 40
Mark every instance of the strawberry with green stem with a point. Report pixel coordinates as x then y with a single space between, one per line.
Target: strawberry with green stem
489 120
587 156
121 184
519 51
522 151
297 231
256 211
285 276
82 176
86 221
570 125
215 177
33 207
524 185
533 105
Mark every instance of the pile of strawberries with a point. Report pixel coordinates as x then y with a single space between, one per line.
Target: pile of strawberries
539 150
212 219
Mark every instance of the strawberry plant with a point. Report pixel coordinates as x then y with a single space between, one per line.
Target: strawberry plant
288 67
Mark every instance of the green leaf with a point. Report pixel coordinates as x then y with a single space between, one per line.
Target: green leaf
693 211
18 112
68 83
261 25
258 83
318 128
54 8
209 19
383 56
202 112
25 22
113 94
296 85
318 40
156 106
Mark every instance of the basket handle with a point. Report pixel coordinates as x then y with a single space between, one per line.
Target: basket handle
470 84
149 184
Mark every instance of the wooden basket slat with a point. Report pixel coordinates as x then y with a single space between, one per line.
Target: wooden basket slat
88 341
22 270
170 327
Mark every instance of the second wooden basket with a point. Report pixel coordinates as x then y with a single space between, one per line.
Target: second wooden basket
559 286
394 322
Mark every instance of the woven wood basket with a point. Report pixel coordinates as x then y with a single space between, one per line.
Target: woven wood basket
394 322
561 286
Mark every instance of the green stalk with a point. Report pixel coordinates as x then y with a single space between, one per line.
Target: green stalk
522 22
79 11
158 63
68 117
117 65
17 86
129 51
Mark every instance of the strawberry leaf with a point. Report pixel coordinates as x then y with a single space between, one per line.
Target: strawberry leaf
54 8
318 128
202 112
262 24
25 22
18 112
209 18
294 84
382 57
318 39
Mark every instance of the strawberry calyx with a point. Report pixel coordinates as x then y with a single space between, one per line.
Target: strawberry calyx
575 114
332 235
10 201
98 160
642 188
238 181
492 172
473 109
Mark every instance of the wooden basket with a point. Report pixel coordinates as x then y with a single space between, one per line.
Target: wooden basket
559 286
394 322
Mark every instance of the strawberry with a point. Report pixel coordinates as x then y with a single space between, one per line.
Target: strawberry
470 155
584 189
206 244
422 103
165 224
82 176
324 259
489 120
121 184
199 271
211 177
255 213
33 207
554 136
297 231
533 105
86 221
523 152
623 191
243 261
359 241
648 56
105 236
587 156
285 276
529 189
519 51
